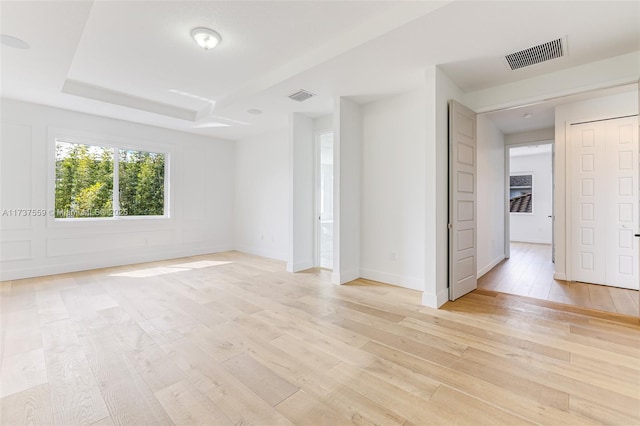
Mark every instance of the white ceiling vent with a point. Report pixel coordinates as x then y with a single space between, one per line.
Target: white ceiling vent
301 95
537 54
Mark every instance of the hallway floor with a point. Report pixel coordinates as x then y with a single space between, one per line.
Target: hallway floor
529 272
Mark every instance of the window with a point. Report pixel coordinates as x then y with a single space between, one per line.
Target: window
86 175
141 183
521 193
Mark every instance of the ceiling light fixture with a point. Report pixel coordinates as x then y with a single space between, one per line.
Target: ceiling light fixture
14 42
205 37
528 115
254 111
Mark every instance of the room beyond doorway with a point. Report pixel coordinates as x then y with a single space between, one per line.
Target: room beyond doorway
324 200
529 272
531 193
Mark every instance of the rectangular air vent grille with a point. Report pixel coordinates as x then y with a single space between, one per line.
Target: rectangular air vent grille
301 95
537 54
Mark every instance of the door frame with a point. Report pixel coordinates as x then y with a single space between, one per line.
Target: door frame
507 195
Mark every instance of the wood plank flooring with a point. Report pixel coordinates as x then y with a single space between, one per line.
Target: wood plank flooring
233 339
529 272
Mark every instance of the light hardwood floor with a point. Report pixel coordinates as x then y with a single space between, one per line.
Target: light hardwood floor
233 339
529 272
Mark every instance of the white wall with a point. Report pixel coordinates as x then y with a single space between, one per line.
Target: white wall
302 196
323 123
262 186
537 226
201 196
347 167
592 109
392 226
491 199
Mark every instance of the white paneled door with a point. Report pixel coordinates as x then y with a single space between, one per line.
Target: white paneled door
588 205
604 160
462 201
621 260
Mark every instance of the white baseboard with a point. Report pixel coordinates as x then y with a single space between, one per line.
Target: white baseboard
344 277
491 265
393 279
435 300
102 261
560 276
299 266
261 252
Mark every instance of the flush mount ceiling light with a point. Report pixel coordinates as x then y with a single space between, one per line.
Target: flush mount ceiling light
205 37
14 42
528 115
254 111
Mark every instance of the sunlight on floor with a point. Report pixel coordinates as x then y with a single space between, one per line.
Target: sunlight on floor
163 270
200 264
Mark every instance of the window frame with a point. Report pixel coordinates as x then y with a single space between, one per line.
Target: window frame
115 143
532 197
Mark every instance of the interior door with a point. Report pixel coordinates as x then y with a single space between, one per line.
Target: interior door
605 202
622 216
587 207
462 201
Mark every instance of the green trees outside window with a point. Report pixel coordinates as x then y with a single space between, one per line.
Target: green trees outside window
141 183
85 177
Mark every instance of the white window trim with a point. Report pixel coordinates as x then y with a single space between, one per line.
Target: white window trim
114 142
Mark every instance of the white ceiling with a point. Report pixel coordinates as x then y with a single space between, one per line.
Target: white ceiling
121 58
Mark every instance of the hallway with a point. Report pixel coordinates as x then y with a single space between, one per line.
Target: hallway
529 272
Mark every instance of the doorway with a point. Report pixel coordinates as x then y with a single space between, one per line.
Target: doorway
530 177
529 269
324 200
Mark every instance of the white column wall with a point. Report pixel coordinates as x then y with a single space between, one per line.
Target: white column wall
301 204
347 190
262 193
393 190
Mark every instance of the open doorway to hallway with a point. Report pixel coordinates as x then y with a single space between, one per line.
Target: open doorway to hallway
528 268
530 207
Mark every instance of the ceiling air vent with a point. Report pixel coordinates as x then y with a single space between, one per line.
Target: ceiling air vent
537 54
301 95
